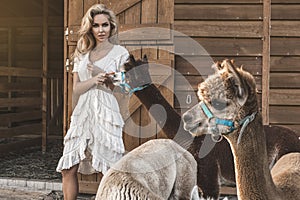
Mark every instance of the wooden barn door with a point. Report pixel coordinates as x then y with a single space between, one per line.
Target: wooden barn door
156 42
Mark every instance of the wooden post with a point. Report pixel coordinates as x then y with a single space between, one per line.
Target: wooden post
65 112
45 73
266 60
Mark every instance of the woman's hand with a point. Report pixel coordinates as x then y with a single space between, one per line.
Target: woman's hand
104 78
94 70
109 80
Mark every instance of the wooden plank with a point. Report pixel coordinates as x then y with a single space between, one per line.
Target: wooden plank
201 65
218 12
283 2
165 11
45 91
285 97
118 7
134 31
217 2
132 15
225 190
218 47
291 46
21 130
144 32
190 83
266 60
187 83
88 4
131 131
19 71
285 28
148 129
285 80
75 12
285 114
285 64
285 12
88 187
19 117
246 29
149 12
20 102
21 21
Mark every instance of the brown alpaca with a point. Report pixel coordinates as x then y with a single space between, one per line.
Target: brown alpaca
228 107
219 161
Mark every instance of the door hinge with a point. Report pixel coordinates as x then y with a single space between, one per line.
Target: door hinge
67 33
67 64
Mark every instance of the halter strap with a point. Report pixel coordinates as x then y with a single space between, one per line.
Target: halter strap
126 88
210 116
229 123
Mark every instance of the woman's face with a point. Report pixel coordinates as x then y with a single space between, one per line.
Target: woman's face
101 28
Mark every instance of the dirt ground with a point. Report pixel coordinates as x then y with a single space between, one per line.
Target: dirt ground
25 194
18 194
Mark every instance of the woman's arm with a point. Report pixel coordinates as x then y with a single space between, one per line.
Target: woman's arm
80 87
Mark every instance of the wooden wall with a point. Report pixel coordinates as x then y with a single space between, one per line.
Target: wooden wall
21 66
263 36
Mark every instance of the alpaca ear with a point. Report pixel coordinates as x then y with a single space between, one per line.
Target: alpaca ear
131 58
239 83
216 67
145 58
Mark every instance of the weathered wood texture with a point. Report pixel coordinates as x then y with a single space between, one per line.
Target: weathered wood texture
240 30
22 30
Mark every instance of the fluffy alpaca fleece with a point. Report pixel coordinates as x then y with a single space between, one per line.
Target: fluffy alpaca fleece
159 169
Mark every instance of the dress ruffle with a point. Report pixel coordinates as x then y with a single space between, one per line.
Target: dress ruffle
96 132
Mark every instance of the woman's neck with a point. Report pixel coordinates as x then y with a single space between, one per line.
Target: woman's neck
102 46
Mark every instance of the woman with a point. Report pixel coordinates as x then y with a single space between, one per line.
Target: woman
94 141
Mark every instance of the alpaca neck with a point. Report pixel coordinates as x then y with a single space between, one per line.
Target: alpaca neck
172 125
251 167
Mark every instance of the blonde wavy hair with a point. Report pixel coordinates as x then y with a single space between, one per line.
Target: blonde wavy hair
86 41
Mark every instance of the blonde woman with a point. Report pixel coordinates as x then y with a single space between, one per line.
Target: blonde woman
94 141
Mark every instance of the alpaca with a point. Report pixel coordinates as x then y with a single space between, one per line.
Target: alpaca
159 169
228 108
217 163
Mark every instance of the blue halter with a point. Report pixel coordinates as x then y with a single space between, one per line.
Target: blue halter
126 88
216 136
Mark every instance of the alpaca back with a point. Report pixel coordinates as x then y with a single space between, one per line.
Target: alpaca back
158 169
122 186
286 175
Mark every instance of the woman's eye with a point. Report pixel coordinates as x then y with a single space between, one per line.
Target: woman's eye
95 25
105 25
218 104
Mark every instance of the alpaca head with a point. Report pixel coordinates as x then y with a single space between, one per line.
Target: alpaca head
137 72
226 98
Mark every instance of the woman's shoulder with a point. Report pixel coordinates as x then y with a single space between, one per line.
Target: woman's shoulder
120 50
81 57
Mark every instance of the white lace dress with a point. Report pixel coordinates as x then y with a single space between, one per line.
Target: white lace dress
94 138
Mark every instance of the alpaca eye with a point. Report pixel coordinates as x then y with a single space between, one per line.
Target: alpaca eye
218 104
